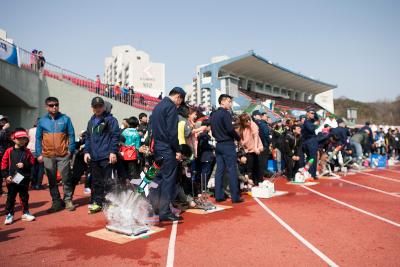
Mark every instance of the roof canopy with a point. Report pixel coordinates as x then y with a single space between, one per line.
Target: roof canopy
259 69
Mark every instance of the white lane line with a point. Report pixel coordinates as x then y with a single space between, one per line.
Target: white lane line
171 246
370 188
381 177
353 207
297 235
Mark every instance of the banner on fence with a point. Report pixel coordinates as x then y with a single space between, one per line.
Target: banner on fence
8 52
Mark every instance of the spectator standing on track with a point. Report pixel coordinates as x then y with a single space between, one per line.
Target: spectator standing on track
101 149
367 145
38 167
226 158
291 148
143 124
358 141
277 136
164 128
132 140
55 144
252 144
18 161
397 143
379 142
205 150
310 141
263 131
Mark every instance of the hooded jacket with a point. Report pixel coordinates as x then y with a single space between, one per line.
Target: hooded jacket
54 136
102 137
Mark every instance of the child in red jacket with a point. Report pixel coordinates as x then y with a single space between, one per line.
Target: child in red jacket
16 166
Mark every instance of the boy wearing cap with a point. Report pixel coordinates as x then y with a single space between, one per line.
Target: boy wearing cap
101 149
16 167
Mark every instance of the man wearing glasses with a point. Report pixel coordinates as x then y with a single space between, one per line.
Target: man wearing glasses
310 140
55 143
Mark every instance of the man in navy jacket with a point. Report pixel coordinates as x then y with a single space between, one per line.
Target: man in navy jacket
310 141
164 129
225 135
101 148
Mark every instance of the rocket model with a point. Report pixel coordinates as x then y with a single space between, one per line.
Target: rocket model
145 182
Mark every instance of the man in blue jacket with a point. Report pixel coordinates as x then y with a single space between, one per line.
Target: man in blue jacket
164 128
101 148
225 135
55 143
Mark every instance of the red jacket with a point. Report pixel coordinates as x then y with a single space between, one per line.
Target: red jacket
12 156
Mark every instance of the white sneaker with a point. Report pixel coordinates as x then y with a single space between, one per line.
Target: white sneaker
9 219
87 191
28 217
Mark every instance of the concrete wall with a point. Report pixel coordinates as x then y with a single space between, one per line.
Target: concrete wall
23 92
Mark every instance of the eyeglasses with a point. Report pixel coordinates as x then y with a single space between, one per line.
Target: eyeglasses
53 105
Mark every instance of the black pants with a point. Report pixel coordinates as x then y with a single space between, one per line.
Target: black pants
37 173
132 169
253 166
262 165
13 190
291 167
101 180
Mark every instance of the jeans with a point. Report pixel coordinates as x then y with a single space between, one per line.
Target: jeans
358 149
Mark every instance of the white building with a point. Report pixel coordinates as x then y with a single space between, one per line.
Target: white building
133 67
3 35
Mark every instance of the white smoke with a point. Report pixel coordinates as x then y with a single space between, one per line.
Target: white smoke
127 210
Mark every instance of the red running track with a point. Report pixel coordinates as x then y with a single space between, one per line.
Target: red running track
246 234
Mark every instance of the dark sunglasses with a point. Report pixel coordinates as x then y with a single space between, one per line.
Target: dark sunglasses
53 105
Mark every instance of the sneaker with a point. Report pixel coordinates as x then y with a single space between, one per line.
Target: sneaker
94 208
87 191
69 205
28 217
56 206
9 219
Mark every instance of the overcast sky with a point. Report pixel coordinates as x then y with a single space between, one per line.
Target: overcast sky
354 44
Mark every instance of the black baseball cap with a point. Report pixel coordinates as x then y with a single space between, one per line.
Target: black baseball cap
256 112
97 101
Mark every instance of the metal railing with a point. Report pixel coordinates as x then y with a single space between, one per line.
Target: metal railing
30 61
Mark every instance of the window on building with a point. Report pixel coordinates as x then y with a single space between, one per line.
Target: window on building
207 74
138 58
260 86
268 88
249 85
